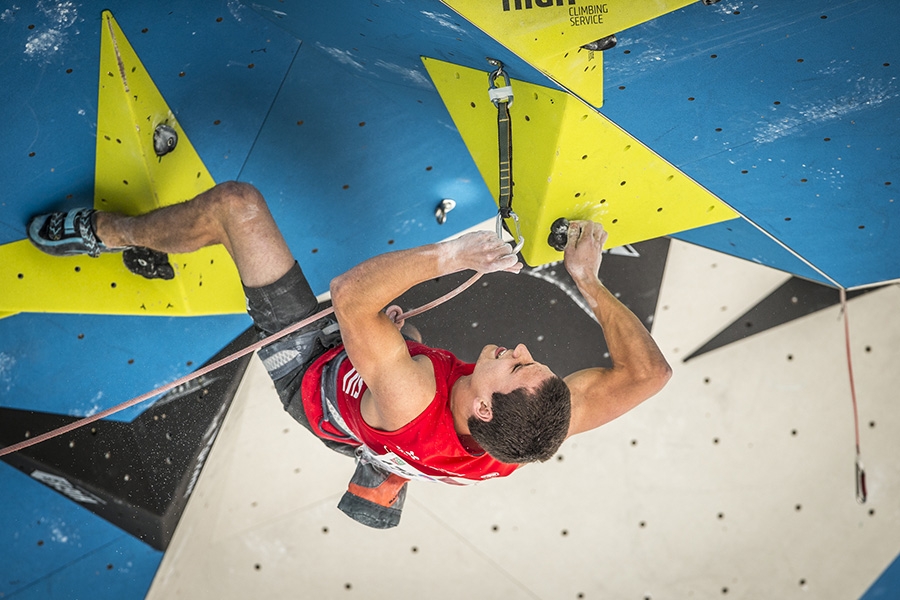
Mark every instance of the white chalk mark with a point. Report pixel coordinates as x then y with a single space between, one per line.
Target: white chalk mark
45 42
342 56
868 94
548 273
444 20
7 365
9 15
415 77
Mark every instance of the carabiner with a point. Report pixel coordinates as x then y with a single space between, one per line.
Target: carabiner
520 241
499 94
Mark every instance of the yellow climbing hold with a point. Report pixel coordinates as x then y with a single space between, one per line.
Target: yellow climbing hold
571 161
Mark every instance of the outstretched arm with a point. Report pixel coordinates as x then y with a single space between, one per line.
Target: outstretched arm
401 386
639 369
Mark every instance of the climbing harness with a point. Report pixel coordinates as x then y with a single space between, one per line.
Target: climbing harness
213 366
502 97
328 396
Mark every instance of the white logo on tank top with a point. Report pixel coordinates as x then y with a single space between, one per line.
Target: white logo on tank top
353 383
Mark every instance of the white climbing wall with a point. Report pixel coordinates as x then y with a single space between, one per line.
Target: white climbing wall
735 482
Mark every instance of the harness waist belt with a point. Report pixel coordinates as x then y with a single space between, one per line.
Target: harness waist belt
330 411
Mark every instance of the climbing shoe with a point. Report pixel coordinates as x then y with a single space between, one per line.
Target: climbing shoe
67 233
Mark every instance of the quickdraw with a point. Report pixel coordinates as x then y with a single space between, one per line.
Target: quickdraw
502 97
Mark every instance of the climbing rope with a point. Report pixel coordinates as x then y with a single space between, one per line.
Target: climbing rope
502 97
860 470
213 366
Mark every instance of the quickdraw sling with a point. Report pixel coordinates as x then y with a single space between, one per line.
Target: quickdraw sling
502 97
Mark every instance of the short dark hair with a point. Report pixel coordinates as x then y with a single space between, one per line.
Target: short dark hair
527 425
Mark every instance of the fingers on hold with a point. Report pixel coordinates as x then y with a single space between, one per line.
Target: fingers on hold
575 232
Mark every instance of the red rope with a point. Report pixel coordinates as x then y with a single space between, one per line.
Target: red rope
212 367
860 471
850 365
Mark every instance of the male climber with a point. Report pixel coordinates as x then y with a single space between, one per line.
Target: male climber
403 409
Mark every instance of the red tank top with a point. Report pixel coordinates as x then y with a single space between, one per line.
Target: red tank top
427 447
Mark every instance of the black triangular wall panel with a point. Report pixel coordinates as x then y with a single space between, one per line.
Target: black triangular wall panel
794 299
136 475
139 475
539 307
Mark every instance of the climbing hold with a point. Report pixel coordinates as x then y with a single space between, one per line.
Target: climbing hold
51 284
148 263
165 139
548 35
602 44
440 213
559 234
571 160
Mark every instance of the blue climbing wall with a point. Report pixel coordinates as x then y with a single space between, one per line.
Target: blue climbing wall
786 111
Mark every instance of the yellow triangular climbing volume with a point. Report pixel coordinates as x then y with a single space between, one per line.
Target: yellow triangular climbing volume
129 178
570 161
549 34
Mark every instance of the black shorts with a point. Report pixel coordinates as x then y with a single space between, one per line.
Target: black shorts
275 307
